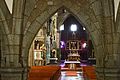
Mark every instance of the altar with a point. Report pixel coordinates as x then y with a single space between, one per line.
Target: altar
73 58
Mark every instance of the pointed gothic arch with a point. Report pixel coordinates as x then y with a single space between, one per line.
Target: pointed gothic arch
35 21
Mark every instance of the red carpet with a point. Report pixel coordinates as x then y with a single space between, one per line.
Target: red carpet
71 73
44 73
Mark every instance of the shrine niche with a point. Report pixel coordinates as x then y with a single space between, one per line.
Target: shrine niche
37 44
40 55
53 56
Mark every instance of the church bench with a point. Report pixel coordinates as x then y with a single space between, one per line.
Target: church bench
46 72
89 71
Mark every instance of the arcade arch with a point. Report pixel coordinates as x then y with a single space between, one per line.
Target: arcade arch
87 18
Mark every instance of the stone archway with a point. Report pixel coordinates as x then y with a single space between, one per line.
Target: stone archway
84 14
96 15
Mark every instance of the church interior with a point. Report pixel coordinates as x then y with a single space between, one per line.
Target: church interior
59 39
68 46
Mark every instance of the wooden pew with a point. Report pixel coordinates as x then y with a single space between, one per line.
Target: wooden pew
44 73
89 71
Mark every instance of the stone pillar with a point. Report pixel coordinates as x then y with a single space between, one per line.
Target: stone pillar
107 60
16 33
48 49
111 73
108 67
0 48
13 70
13 73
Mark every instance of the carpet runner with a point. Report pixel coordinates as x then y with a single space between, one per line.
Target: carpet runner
71 73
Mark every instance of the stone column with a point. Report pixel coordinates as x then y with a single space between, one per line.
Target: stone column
108 66
109 69
15 71
0 49
48 49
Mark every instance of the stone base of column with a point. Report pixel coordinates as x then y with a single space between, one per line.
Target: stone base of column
13 73
108 73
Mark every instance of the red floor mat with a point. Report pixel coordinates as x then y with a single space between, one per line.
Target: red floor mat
71 73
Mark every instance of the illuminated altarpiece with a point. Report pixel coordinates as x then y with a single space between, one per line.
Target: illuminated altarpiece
73 58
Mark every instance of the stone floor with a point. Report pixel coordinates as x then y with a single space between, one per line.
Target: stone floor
79 76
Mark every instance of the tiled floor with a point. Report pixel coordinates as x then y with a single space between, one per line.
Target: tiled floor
79 76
